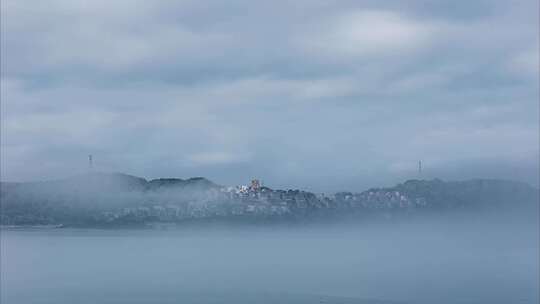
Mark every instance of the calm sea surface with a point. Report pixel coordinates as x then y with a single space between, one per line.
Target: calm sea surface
437 261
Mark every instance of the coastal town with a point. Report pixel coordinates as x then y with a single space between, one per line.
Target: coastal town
120 199
255 200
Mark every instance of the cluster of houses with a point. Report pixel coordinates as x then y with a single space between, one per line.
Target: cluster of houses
257 200
379 199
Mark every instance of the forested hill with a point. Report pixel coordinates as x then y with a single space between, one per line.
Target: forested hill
120 199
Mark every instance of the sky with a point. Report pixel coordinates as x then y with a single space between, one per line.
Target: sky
317 95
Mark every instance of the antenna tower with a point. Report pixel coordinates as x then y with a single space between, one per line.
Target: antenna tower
90 162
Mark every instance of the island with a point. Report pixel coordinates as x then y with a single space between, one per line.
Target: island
116 200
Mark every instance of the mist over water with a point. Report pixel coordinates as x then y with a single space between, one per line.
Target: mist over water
305 152
439 259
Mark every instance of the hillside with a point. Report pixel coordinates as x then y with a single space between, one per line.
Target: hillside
120 199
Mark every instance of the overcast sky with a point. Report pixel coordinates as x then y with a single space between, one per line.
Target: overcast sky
318 95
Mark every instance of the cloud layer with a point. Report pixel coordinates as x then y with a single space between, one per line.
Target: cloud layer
306 94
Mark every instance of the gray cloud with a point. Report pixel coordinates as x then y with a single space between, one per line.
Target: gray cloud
306 94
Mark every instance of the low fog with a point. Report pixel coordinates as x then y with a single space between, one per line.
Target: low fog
99 200
115 238
439 259
295 152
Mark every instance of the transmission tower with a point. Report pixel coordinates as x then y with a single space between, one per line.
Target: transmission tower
90 162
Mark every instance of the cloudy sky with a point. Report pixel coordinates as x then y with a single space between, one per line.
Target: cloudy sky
319 95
